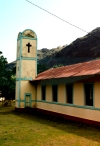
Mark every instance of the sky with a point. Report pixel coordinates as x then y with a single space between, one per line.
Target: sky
18 15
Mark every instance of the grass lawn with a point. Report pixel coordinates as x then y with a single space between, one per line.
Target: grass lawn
20 129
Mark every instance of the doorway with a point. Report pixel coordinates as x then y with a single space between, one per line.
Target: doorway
27 100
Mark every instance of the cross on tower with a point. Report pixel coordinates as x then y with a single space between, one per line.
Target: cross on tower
28 45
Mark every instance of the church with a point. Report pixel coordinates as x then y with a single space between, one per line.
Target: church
70 92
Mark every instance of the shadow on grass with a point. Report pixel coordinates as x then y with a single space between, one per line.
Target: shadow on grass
90 132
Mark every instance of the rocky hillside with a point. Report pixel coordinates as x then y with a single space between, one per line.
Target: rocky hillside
82 49
43 53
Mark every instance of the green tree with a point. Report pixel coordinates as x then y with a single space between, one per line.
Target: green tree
7 79
59 65
3 62
41 68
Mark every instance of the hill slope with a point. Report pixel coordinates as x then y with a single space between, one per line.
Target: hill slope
82 49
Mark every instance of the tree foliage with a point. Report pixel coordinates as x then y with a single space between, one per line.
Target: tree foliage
41 68
59 65
7 79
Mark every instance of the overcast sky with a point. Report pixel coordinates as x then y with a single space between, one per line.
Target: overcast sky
18 15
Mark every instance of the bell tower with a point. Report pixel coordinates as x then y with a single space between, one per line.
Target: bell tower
26 68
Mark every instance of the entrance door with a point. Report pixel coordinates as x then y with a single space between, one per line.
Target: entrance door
27 100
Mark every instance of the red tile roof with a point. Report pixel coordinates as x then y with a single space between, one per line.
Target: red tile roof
80 69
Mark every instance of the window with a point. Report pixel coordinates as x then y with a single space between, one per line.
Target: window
88 92
54 93
43 92
69 93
